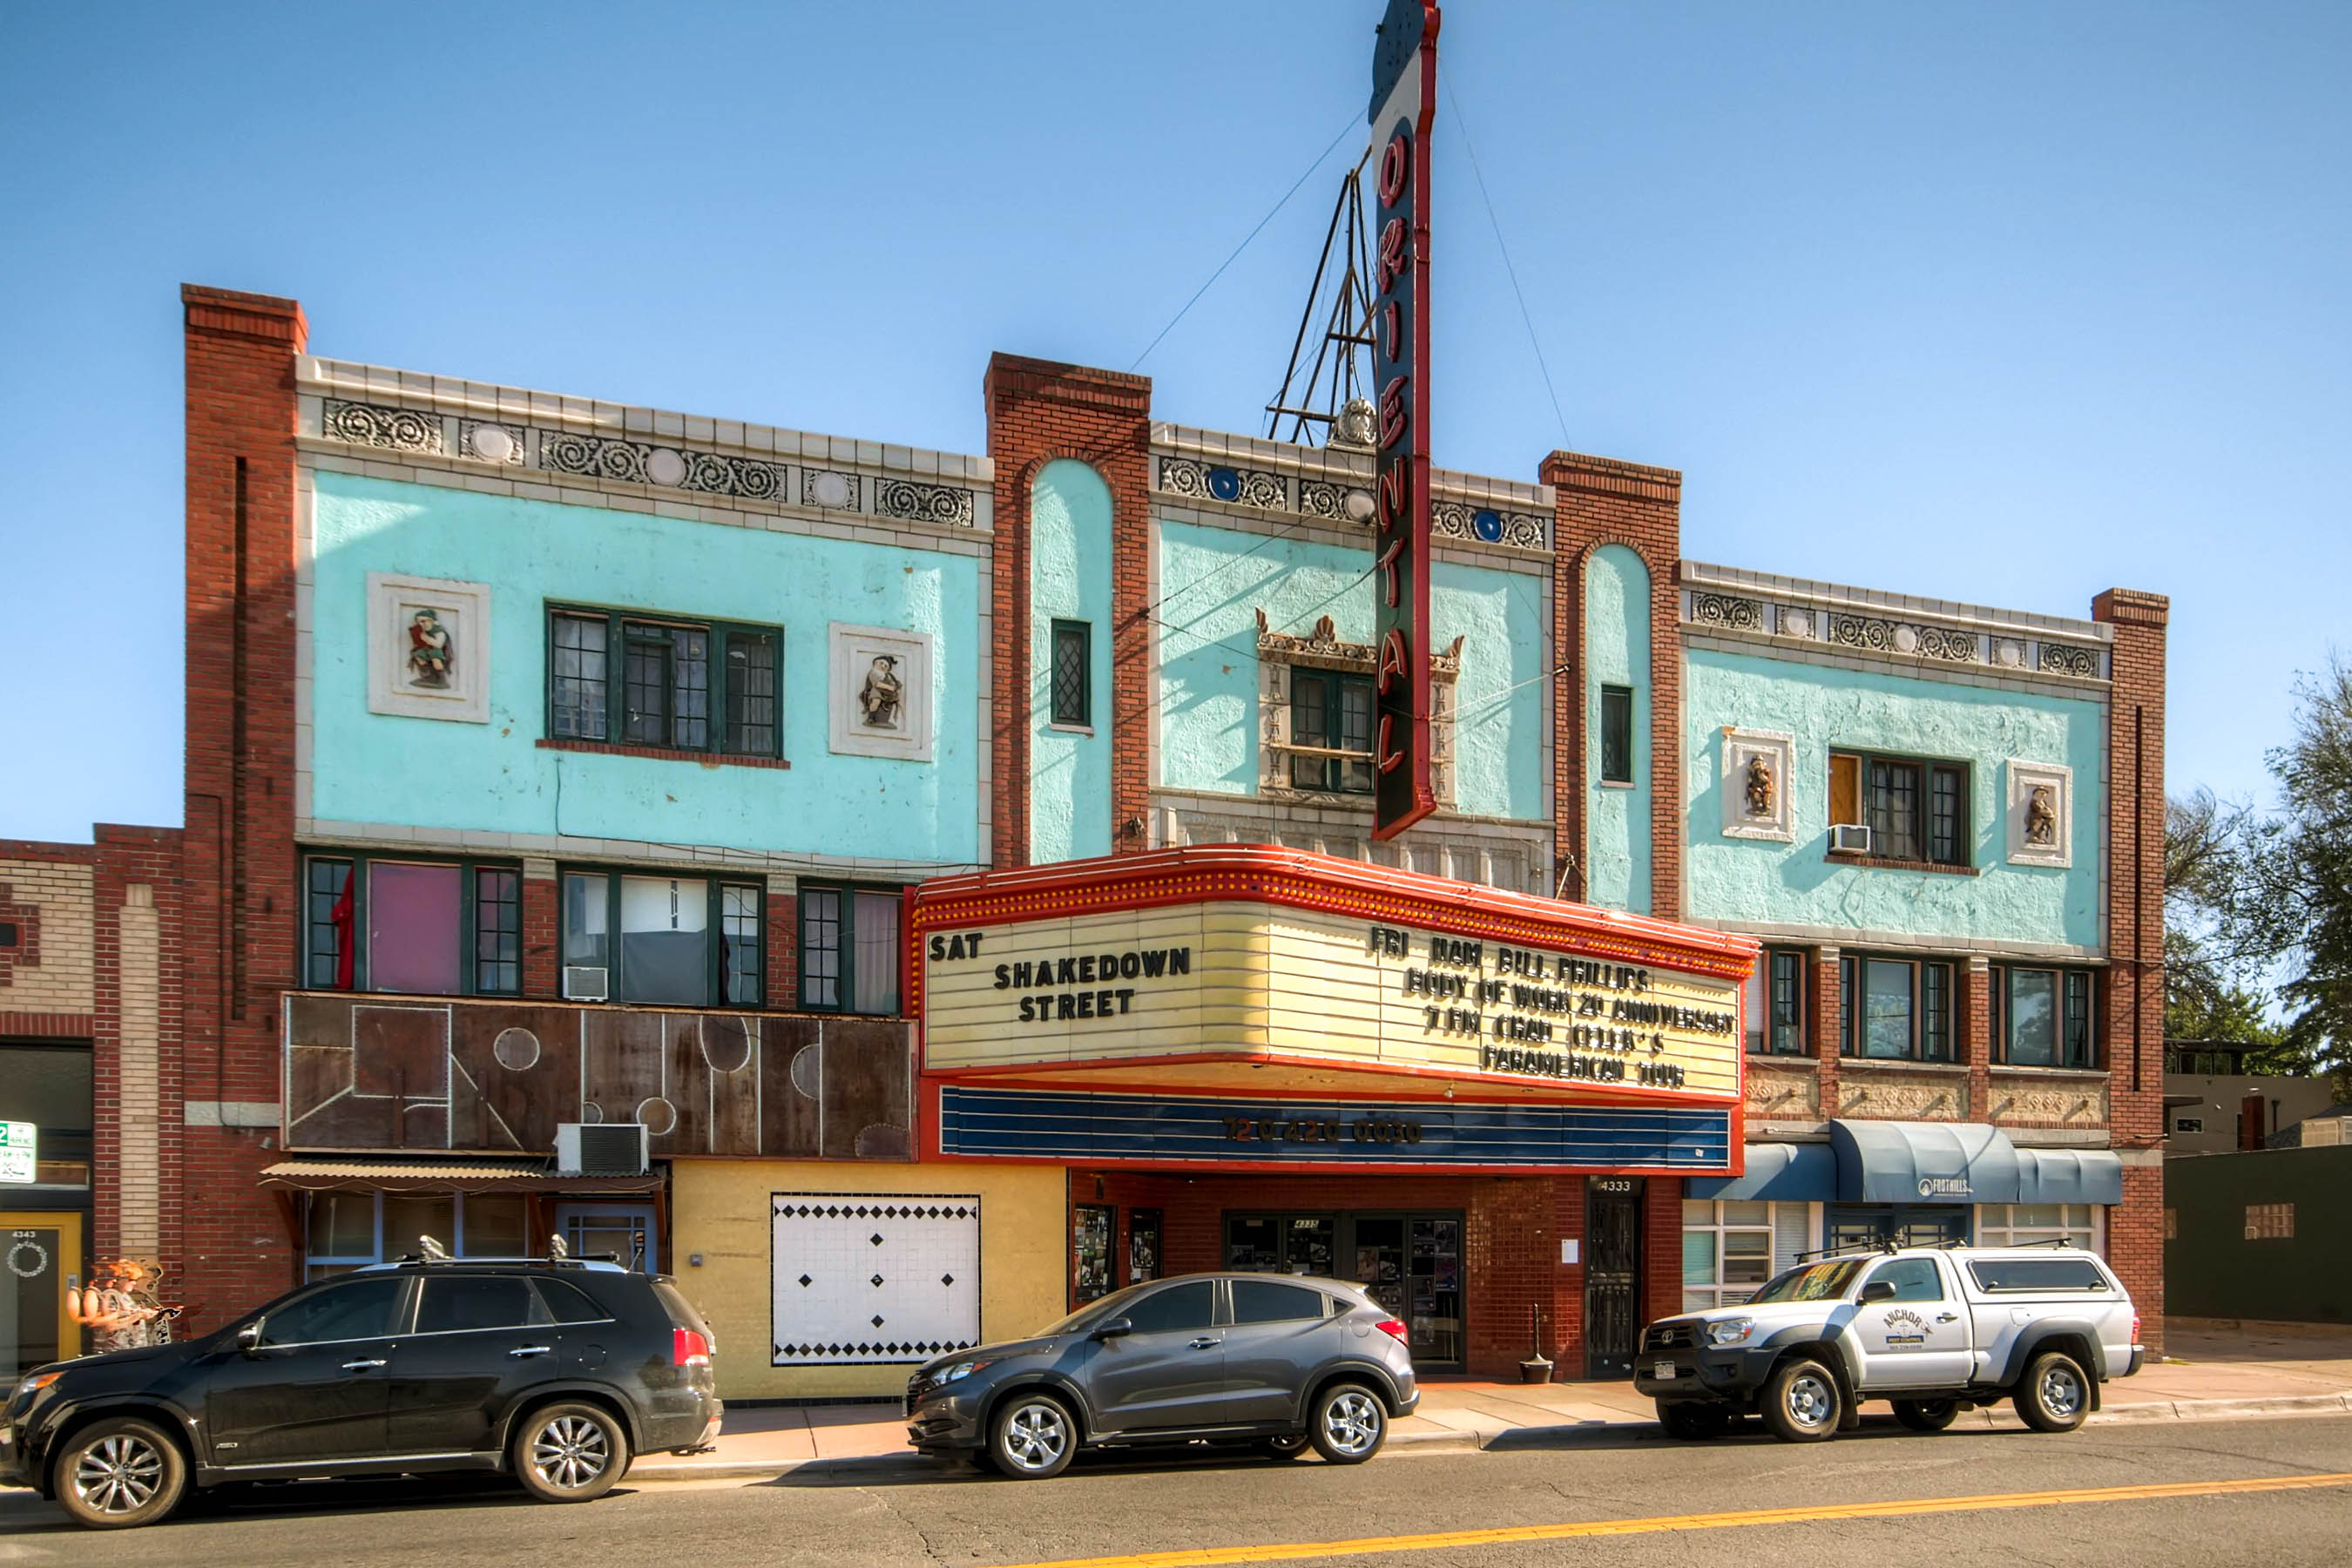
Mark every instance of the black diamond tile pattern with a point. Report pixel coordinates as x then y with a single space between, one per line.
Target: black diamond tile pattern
877 1281
915 1350
874 1211
807 1281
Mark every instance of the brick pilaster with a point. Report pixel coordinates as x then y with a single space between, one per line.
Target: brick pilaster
1661 1248
242 900
783 943
1598 501
541 963
1039 410
1974 1027
1826 1026
2133 990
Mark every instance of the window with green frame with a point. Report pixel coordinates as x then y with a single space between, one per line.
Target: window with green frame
641 679
1775 1003
662 939
419 927
1895 1009
849 950
2044 1017
1331 712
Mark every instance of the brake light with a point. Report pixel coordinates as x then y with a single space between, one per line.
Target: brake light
2135 1328
687 1348
1393 1326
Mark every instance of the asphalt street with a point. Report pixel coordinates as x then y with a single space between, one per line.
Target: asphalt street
2276 1492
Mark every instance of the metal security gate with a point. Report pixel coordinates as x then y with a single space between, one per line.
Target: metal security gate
1612 1275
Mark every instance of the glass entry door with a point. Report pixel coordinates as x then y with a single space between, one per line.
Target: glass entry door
42 1253
1408 1263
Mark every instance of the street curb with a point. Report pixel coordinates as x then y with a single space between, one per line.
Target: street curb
1506 1440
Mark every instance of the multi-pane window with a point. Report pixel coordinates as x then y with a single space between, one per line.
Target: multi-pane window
2024 1225
1730 1249
1895 1009
1776 1003
682 941
850 957
350 1230
416 926
2044 1017
684 686
1915 810
1073 673
2269 1222
1330 731
1617 734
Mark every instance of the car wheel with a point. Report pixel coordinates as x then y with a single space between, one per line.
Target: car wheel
1926 1415
1801 1402
1690 1421
120 1473
1033 1436
2056 1396
1289 1446
569 1453
1350 1424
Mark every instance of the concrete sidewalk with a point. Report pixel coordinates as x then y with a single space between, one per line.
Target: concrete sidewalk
2214 1370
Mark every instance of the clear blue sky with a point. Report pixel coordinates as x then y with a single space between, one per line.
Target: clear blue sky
1997 302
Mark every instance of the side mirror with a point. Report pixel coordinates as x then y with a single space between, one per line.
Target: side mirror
248 1337
1878 1290
1114 1329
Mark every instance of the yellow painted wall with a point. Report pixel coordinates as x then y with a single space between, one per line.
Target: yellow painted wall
720 1209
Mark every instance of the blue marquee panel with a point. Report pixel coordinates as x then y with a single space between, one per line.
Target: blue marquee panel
1035 1124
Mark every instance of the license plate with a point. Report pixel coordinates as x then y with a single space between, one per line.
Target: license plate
1663 1371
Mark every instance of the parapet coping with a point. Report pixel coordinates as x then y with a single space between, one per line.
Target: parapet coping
1700 575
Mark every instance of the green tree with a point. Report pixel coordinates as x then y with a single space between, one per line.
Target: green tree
2303 871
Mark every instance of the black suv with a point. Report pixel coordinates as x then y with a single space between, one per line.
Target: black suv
556 1373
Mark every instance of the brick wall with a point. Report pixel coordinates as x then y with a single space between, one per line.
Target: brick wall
45 893
1598 502
542 967
241 902
2133 1010
1038 411
137 1167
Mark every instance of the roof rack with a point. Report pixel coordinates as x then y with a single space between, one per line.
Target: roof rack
2066 1241
600 1262
1880 1246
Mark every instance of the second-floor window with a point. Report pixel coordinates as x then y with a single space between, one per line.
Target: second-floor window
1617 734
1915 809
1073 674
432 928
659 682
849 955
1776 1003
1331 712
2043 1017
685 942
1895 1009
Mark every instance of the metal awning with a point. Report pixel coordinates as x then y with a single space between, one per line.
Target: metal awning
444 1176
1777 1172
2069 1176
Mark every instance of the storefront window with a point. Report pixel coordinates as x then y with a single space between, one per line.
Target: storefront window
1143 1245
1731 1248
2020 1224
350 1230
1409 1263
1090 1246
1849 1226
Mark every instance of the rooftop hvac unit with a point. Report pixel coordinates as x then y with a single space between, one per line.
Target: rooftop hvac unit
1850 839
601 1148
586 982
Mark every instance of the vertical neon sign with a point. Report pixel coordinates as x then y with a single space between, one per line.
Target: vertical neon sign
1404 105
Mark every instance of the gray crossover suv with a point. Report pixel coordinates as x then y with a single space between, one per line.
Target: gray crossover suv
1271 1359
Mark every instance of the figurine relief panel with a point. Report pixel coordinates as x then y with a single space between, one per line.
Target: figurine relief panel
428 648
880 692
2040 799
1754 784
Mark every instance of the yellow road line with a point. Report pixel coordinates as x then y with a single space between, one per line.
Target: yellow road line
1291 1551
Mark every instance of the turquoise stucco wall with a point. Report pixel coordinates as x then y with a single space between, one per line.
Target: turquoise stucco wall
1793 884
1213 580
1069 578
375 768
1617 653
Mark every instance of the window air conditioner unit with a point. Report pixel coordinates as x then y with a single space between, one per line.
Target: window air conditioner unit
601 1148
586 982
1850 839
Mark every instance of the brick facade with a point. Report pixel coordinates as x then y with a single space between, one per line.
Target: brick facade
1038 411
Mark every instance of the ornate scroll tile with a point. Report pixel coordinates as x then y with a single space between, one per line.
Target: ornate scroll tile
645 463
2065 659
1727 610
1945 643
921 502
1323 499
378 425
1484 525
1199 481
1860 631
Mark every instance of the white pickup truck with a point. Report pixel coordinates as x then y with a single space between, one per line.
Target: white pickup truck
1936 1330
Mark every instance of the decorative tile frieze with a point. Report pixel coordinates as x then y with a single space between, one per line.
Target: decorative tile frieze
826 488
1348 505
1715 610
1727 610
920 502
486 442
1485 525
380 425
645 463
2065 659
1197 481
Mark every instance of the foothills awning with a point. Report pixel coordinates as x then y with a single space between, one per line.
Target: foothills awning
1777 1172
443 1177
2069 1176
1924 1162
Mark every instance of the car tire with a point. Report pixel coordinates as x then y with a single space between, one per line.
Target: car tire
1033 1437
1289 1446
118 1473
1803 1402
2056 1395
1349 1424
1926 1415
571 1452
1691 1421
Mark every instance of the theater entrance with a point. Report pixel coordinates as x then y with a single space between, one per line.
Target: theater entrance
1410 1262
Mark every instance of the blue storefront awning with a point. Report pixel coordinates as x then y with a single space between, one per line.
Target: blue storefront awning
2069 1176
1924 1162
1777 1172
